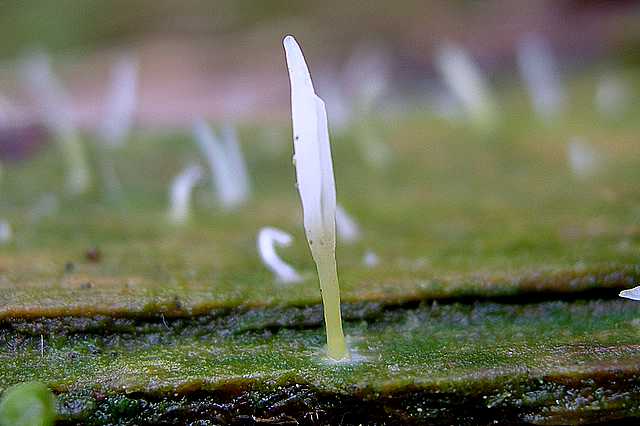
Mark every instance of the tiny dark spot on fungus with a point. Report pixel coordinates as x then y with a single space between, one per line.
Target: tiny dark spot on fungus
93 254
69 267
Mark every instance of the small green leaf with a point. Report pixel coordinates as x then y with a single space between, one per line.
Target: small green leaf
27 404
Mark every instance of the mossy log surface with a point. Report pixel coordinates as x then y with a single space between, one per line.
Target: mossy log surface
545 363
495 297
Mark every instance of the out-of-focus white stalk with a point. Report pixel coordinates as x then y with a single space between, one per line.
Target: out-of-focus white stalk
612 95
180 193
314 173
6 234
540 75
239 170
268 239
120 106
56 111
228 170
347 227
632 293
5 228
368 72
583 159
121 102
465 80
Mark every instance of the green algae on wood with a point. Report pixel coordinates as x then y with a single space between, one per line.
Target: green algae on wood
182 320
467 218
550 362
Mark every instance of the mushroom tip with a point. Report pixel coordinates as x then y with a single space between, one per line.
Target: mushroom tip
288 40
632 293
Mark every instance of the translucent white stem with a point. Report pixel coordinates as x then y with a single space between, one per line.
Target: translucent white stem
328 274
6 234
121 102
235 158
227 167
55 109
5 227
466 82
347 227
180 193
268 239
539 72
118 115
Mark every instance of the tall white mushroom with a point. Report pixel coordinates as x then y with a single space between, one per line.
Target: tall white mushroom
314 173
56 111
121 102
120 106
466 82
5 226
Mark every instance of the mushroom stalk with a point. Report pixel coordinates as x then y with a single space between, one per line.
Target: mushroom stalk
120 106
228 169
316 185
55 108
121 102
538 70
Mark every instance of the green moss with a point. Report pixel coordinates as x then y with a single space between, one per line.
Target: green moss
187 320
454 215
508 354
